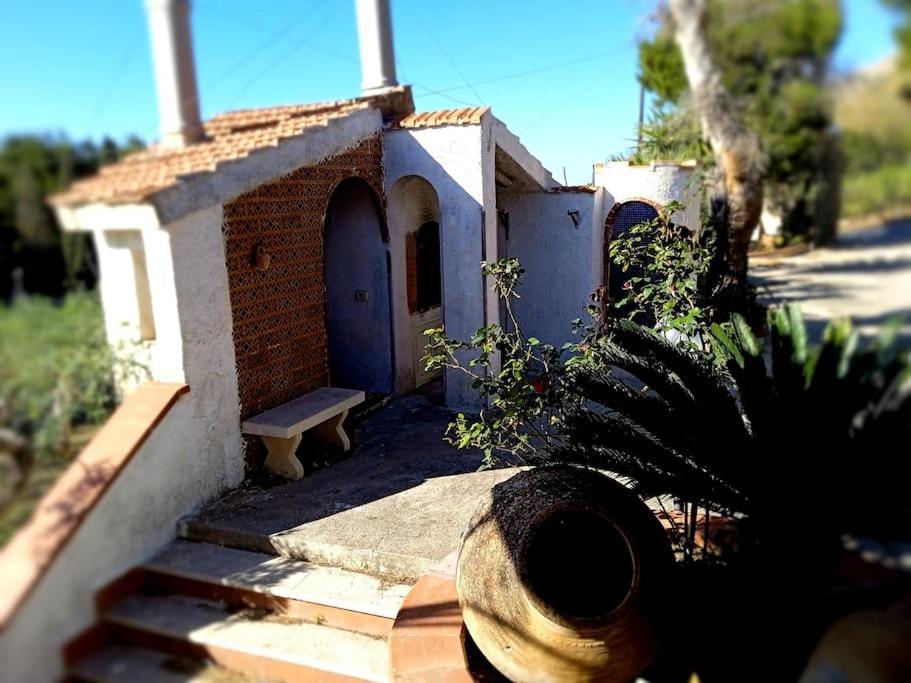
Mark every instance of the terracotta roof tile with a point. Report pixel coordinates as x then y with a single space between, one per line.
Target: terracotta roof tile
586 189
443 117
229 136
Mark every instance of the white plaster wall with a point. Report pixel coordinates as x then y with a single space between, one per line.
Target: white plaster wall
659 182
600 207
167 358
557 257
453 160
489 129
158 358
513 147
204 312
191 457
116 285
165 480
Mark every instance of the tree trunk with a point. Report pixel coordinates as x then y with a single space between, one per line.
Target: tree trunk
736 194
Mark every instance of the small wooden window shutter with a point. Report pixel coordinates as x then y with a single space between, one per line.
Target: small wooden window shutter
411 266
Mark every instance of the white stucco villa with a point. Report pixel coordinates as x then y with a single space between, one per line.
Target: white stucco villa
255 258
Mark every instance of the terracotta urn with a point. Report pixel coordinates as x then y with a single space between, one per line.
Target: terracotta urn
561 577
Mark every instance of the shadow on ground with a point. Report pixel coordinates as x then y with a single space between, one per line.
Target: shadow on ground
866 277
397 506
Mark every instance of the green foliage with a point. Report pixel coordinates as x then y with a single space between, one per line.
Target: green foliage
56 368
31 168
773 57
525 384
665 267
867 151
661 68
886 189
672 282
670 134
529 388
820 429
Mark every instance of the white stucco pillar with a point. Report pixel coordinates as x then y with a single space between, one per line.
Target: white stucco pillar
374 30
175 72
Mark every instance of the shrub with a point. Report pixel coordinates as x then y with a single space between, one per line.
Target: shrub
887 188
56 368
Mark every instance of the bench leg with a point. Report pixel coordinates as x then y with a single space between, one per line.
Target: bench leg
332 432
281 459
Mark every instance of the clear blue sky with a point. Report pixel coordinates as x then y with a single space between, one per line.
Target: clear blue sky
82 67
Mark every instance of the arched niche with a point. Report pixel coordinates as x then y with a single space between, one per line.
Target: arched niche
358 302
623 216
415 224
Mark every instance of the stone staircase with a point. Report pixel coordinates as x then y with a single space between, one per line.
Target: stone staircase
207 613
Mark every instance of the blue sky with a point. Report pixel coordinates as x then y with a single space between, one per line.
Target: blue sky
559 74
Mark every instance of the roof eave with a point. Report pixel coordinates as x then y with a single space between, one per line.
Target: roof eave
92 216
229 179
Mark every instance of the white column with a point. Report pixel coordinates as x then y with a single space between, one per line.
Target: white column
374 29
175 72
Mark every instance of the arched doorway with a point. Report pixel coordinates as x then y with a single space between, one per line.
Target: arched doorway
358 313
415 226
622 217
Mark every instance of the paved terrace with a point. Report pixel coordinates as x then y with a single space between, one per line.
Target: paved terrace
395 508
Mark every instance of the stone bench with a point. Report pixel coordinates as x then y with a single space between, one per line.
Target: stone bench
282 427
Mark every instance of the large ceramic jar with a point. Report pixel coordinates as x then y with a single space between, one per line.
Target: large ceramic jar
562 576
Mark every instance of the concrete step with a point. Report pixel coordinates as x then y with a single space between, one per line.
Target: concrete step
117 664
337 597
395 517
253 642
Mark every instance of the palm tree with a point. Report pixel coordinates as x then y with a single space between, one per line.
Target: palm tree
816 431
804 451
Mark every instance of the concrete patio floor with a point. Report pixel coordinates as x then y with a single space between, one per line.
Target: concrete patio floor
395 508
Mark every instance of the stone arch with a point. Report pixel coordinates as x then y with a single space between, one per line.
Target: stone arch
623 216
413 207
274 242
358 299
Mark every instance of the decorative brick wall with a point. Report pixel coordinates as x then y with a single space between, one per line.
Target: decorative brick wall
274 248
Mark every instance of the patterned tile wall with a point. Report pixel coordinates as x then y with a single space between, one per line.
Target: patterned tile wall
279 312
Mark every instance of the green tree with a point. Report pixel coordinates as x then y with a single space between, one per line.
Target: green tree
903 38
774 59
31 168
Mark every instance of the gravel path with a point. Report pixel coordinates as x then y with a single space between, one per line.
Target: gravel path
866 277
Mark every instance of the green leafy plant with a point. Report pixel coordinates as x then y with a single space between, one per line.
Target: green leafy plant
814 431
671 281
57 369
524 384
666 266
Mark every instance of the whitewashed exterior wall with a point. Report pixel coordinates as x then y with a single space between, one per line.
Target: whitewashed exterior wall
659 182
129 254
562 260
166 479
204 311
190 458
453 160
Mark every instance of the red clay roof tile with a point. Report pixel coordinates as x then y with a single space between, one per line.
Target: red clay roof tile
444 117
229 136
